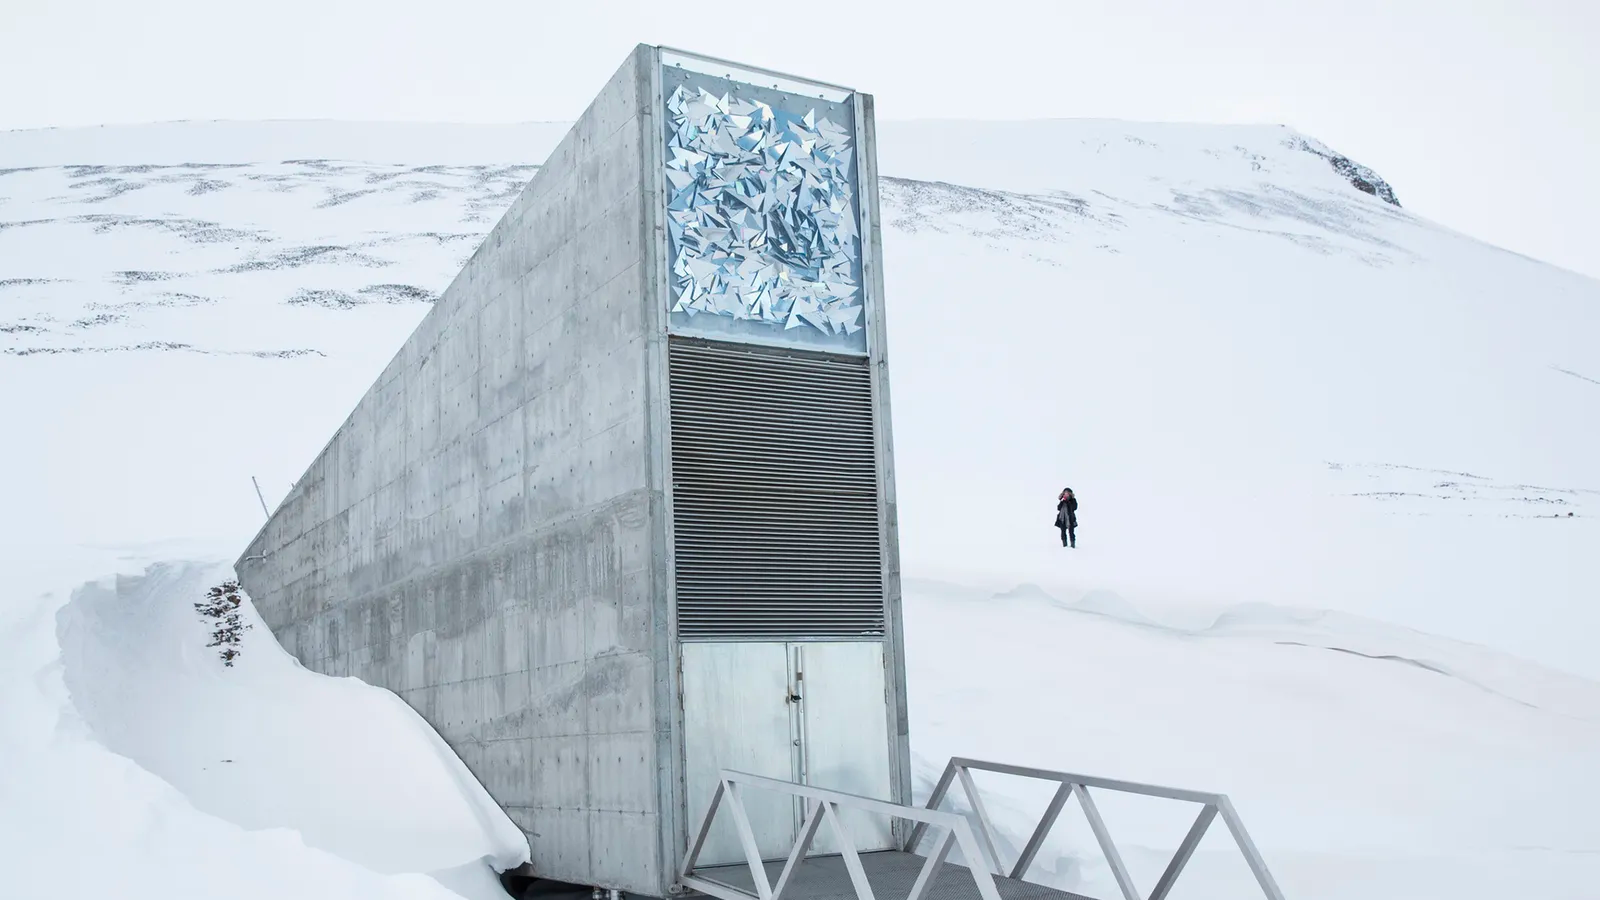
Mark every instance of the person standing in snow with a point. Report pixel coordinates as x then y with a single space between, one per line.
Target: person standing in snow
1067 517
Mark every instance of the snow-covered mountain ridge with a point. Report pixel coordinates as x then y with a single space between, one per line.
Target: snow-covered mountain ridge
1233 345
1224 285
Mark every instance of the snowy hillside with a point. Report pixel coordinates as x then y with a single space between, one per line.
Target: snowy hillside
1274 392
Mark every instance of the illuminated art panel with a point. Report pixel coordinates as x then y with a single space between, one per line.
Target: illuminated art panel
762 211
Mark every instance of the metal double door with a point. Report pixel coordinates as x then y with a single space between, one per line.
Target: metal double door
812 712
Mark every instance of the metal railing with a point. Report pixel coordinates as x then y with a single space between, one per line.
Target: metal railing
823 805
953 829
1212 805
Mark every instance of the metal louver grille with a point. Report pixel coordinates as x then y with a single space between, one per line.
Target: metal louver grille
775 494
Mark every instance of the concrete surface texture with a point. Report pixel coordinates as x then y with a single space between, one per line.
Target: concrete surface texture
484 534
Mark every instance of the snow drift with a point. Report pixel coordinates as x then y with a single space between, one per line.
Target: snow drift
133 761
265 743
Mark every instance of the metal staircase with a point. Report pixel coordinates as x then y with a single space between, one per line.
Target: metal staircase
913 873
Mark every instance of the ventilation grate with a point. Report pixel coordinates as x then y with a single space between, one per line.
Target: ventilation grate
775 494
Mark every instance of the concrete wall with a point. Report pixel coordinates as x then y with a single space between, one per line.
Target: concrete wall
483 535
878 351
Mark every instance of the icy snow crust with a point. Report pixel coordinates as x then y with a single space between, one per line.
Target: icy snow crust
1290 410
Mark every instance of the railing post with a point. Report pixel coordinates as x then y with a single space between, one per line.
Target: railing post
747 837
1098 825
1191 841
1252 856
969 849
705 829
1051 813
934 799
933 865
802 845
984 834
852 861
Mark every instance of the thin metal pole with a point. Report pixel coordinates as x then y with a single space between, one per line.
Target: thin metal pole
263 500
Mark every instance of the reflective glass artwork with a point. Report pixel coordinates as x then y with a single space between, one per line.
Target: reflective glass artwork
761 208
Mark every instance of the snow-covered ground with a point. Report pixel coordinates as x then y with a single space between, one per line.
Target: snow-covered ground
1292 412
1368 761
136 764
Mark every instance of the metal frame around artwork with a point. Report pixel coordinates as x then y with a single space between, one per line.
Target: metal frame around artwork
954 829
662 50
1212 805
823 805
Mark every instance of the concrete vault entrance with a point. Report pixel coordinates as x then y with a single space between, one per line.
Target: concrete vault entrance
619 517
620 513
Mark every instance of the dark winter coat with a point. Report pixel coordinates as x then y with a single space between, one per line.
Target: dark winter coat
1067 513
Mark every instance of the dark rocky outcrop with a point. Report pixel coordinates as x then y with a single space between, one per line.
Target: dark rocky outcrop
1362 177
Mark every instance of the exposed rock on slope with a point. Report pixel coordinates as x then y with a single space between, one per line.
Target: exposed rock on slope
1362 177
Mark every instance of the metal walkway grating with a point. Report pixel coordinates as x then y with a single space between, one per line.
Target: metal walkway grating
891 873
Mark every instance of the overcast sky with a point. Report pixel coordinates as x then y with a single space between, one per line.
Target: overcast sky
1484 114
